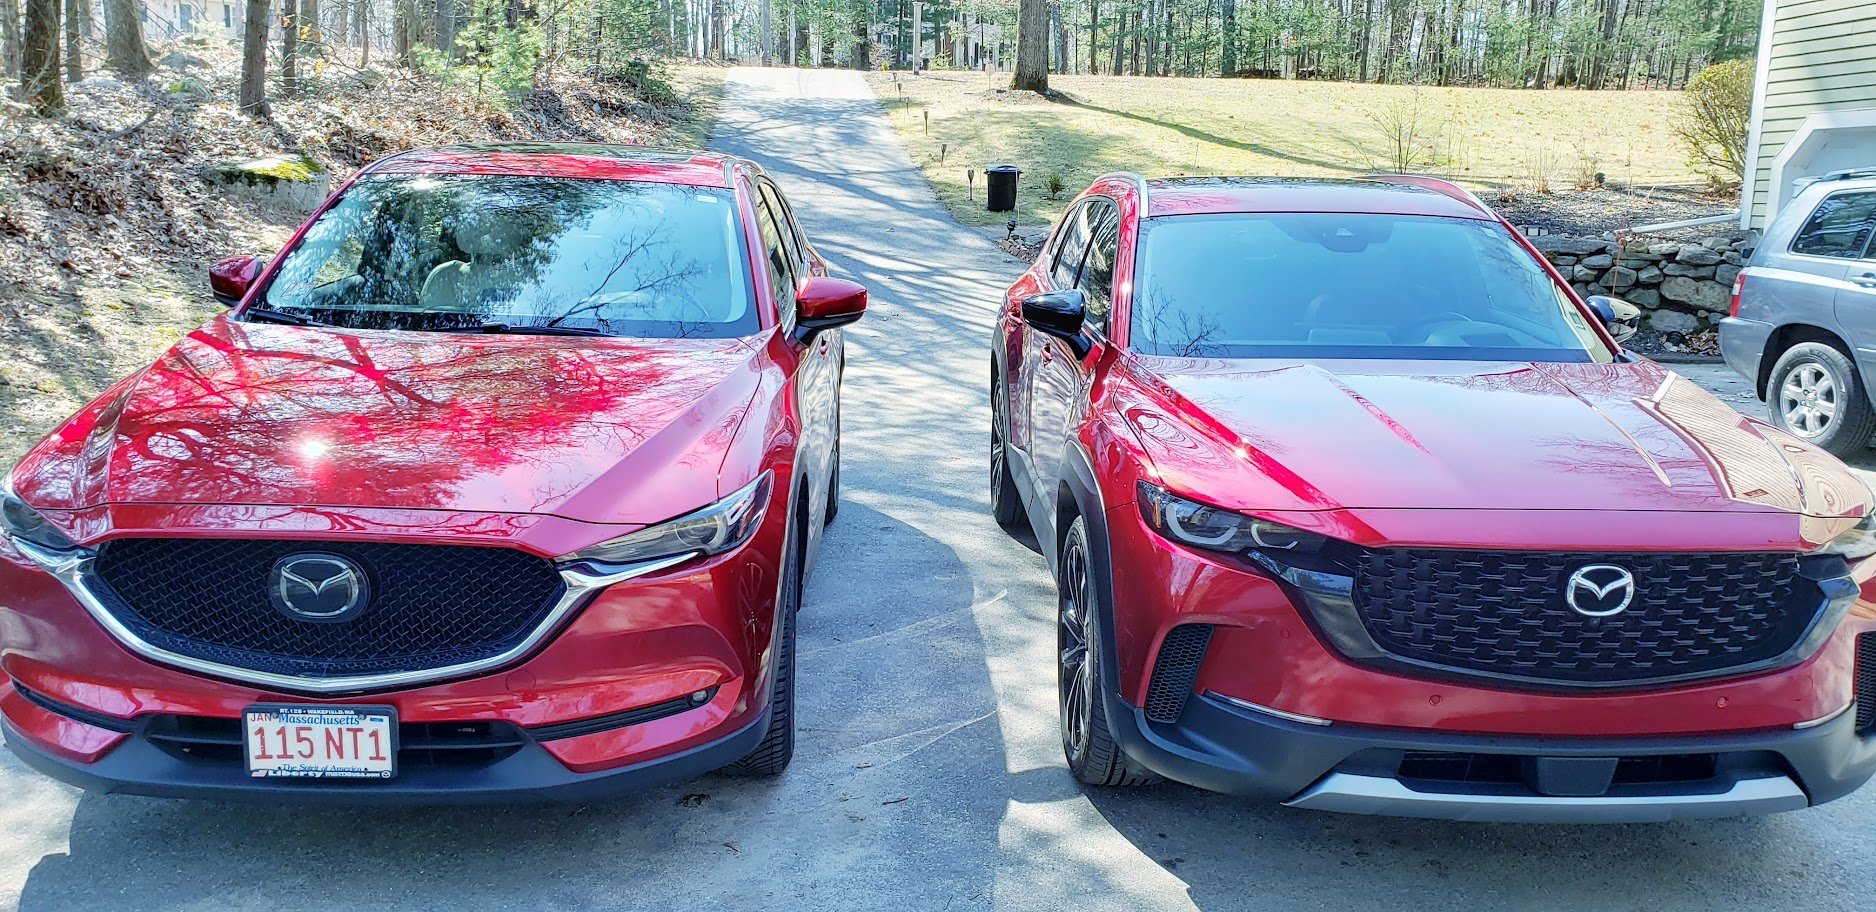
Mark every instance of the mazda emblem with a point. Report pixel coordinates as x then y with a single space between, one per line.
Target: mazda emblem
318 587
1600 590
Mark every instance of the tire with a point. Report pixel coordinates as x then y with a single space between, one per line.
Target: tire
1093 755
833 487
1815 393
1005 503
771 756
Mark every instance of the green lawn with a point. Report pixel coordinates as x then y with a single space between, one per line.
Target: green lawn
1163 127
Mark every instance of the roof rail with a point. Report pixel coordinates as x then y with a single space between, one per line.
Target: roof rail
1440 186
1134 177
1849 174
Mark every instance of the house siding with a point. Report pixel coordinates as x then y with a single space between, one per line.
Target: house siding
1822 58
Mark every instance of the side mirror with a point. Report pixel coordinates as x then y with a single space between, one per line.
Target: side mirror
1622 319
231 278
824 303
1058 313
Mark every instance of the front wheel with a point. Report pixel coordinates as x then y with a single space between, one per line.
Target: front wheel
771 756
1815 393
1005 504
1093 755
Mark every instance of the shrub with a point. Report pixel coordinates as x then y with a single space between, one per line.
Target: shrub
1055 184
1716 117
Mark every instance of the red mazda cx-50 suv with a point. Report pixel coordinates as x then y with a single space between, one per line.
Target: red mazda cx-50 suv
499 482
1354 505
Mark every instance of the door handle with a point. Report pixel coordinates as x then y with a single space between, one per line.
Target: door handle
1866 280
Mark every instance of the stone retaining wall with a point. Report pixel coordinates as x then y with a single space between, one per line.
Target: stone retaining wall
1681 286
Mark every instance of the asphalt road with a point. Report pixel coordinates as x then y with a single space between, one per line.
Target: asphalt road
929 774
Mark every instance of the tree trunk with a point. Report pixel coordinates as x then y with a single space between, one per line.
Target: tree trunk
124 50
1094 40
1032 46
9 37
310 36
766 13
39 58
403 31
363 27
74 61
1228 38
289 47
254 59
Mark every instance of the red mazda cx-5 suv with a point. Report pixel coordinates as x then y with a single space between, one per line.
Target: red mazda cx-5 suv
1354 505
499 482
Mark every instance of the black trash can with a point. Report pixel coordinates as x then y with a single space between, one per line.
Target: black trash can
1002 187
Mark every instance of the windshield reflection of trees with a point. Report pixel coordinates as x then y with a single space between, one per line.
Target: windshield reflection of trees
460 252
336 418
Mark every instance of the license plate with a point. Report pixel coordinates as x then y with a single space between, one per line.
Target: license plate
321 742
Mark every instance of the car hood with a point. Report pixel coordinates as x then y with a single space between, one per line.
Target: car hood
591 429
1469 435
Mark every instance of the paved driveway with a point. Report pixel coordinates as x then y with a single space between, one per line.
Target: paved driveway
929 775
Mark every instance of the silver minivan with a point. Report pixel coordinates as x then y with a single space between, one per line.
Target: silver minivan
1803 321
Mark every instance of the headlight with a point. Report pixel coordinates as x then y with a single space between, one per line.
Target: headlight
712 530
21 523
1217 529
1856 544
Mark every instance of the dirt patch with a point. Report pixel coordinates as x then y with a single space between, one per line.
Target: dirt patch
1606 210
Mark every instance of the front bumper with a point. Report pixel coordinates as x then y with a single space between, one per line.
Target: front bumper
1223 746
530 774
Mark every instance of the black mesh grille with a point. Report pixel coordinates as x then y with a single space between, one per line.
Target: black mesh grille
1175 671
1866 684
430 605
1504 613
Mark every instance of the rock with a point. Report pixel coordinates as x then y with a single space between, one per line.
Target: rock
1664 249
1668 321
177 60
1600 261
1567 244
1561 260
1692 272
1619 277
293 179
1697 256
1644 297
188 88
1634 262
1725 274
1582 273
1734 259
1717 243
1634 249
1649 276
1695 293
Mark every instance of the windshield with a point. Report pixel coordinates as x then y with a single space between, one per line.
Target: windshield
457 252
1350 286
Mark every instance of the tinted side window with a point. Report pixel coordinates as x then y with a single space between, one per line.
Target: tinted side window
1839 228
781 267
1067 267
1097 272
785 224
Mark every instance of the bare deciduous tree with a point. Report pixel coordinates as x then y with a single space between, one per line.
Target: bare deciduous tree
124 50
254 59
9 36
39 58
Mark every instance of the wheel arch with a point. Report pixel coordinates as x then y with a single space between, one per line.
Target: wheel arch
1784 338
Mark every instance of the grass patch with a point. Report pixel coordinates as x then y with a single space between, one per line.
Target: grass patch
699 87
1485 138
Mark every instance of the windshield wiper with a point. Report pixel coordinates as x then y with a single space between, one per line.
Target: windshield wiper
270 315
527 330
